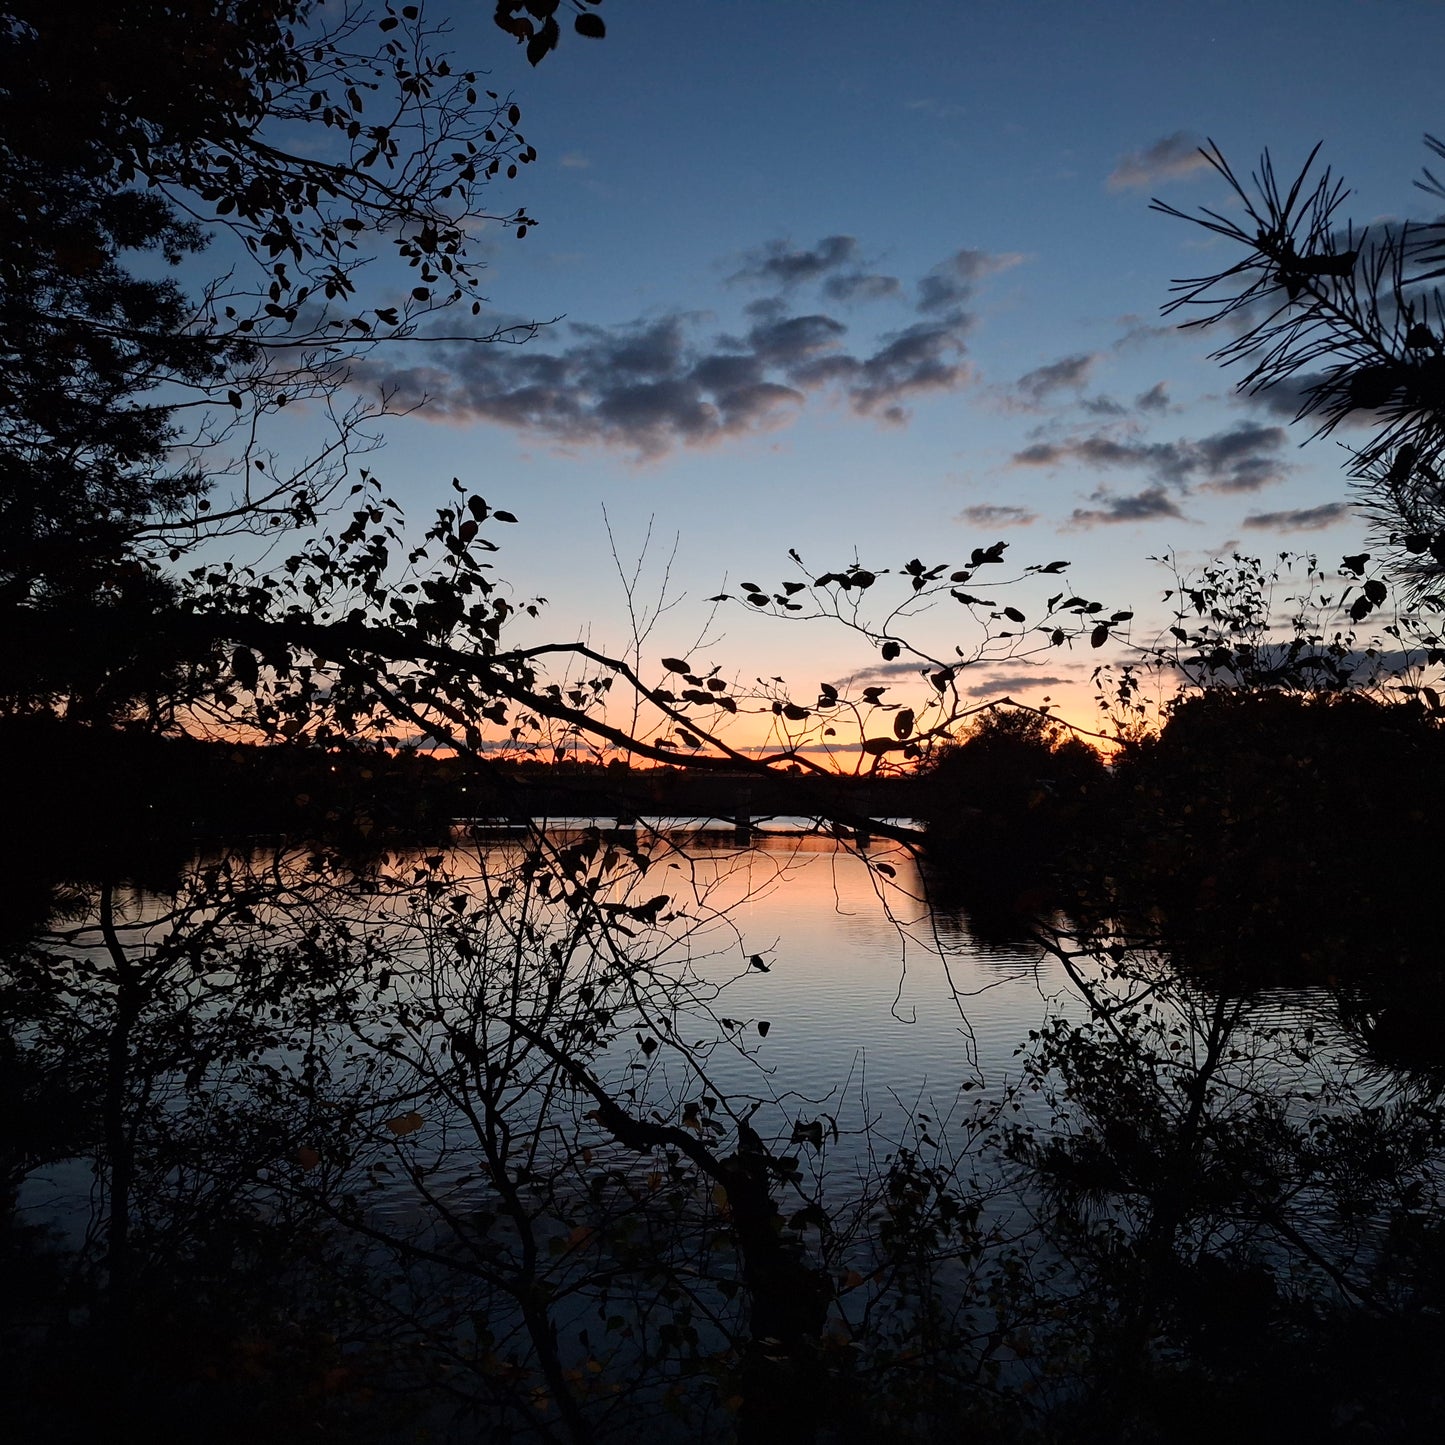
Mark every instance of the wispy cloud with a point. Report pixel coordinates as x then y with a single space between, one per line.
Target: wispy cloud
1014 682
1168 159
1302 519
988 514
1155 399
937 109
1242 460
954 281
862 286
653 384
1150 505
1069 372
780 263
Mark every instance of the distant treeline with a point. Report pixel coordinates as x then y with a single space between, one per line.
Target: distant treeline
1279 829
67 779
1282 834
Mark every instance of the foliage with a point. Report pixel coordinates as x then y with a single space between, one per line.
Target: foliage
1347 316
1284 835
1011 806
1231 1201
538 28
303 141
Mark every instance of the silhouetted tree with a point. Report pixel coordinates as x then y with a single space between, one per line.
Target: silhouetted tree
302 139
1348 318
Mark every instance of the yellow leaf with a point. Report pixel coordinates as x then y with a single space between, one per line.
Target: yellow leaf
405 1124
307 1157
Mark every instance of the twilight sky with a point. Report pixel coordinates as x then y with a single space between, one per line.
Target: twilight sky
880 279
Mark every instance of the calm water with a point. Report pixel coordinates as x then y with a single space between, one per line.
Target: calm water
869 1010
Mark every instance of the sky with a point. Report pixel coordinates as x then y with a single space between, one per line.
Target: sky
877 281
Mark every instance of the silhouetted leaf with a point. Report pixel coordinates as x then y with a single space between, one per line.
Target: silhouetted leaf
245 669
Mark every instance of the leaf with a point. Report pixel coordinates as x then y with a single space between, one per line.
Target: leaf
504 516
763 1027
889 651
243 665
591 26
307 1157
1013 614
1099 636
903 723
675 664
405 1124
543 41
756 961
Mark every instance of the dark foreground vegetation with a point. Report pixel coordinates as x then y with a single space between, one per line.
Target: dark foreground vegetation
1213 1220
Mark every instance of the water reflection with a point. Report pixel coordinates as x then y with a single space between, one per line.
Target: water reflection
563 1114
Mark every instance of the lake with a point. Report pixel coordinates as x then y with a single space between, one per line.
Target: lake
406 1063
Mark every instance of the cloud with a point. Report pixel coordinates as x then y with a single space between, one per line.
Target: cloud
938 109
663 381
862 286
952 282
1303 519
1168 159
1067 372
1147 506
1014 682
1155 399
1242 460
780 263
991 515
650 385
574 161
883 673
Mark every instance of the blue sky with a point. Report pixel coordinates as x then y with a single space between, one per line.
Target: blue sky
882 279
